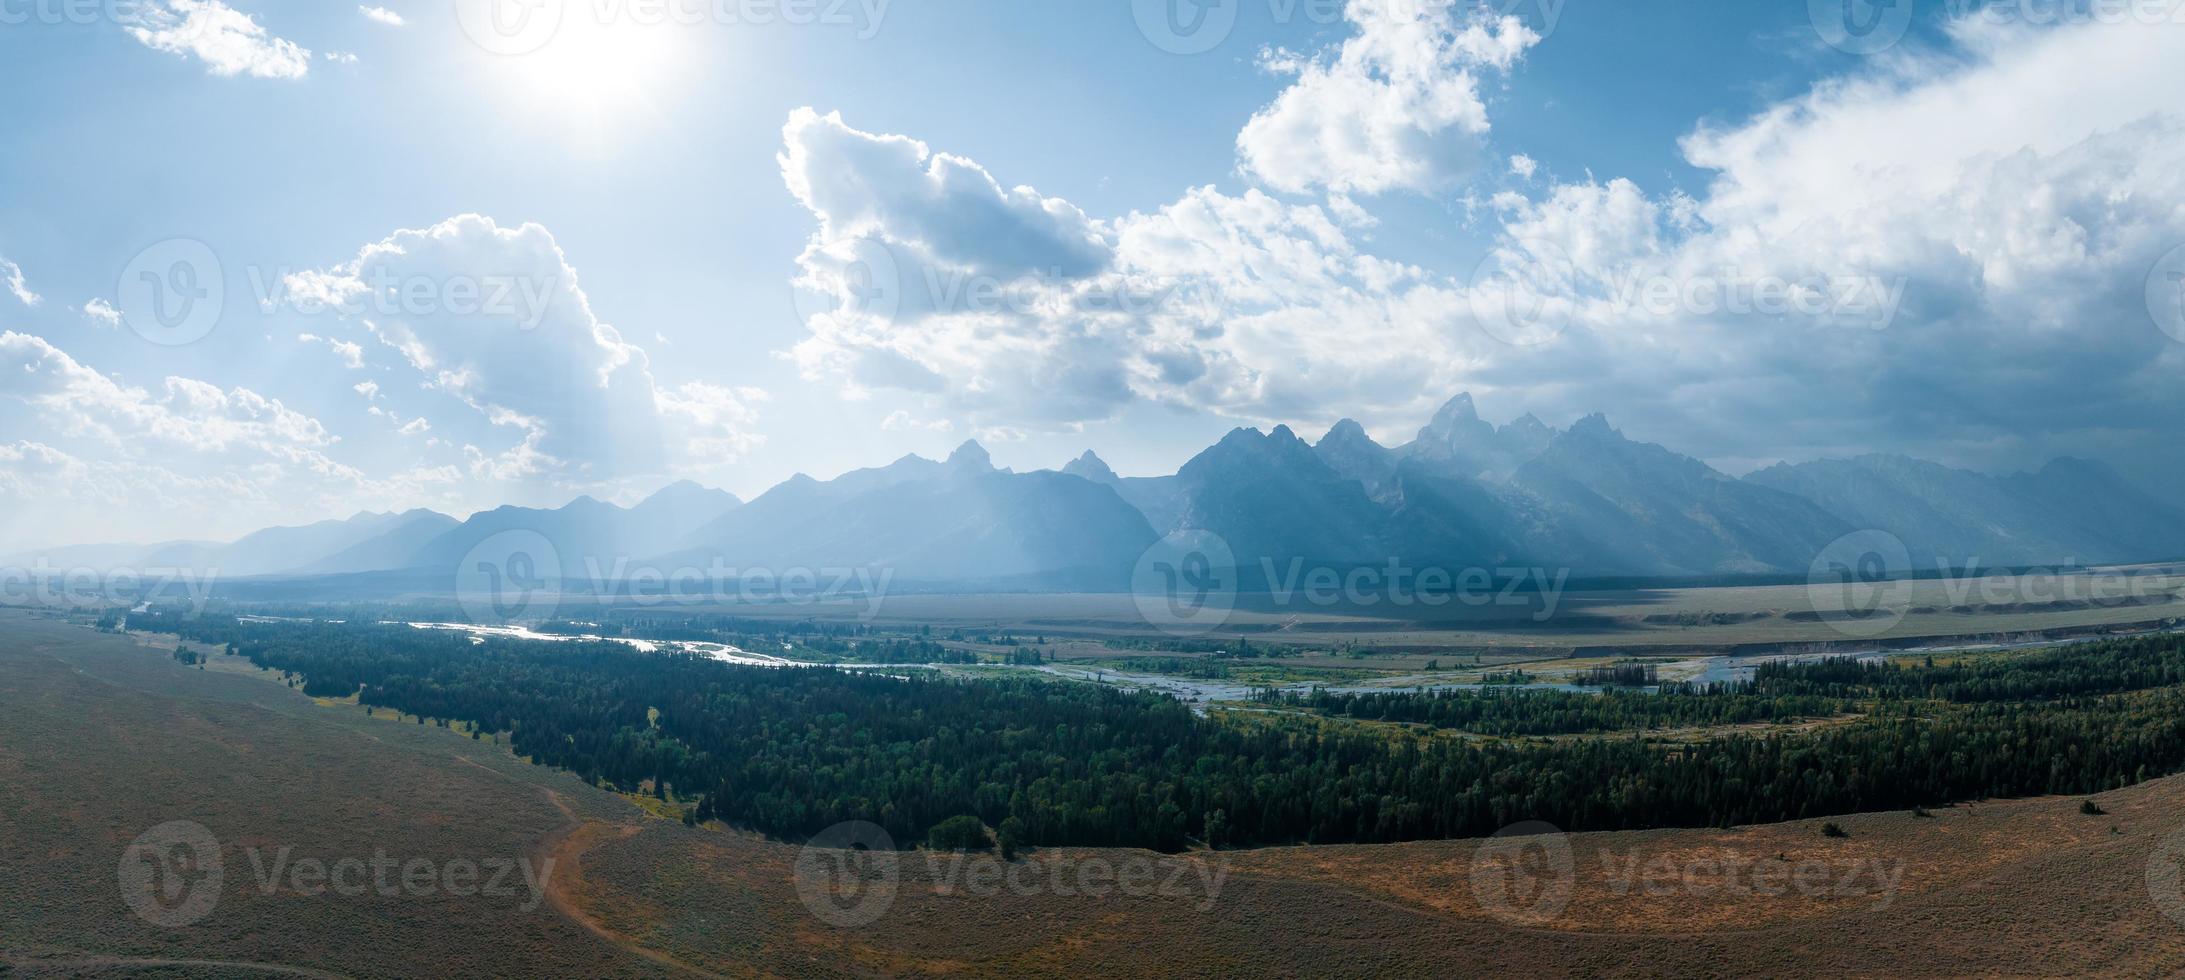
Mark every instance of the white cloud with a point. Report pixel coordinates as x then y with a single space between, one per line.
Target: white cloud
1523 166
341 57
101 312
1243 305
12 276
186 413
369 389
227 41
1950 257
508 333
2016 201
1397 106
350 352
382 15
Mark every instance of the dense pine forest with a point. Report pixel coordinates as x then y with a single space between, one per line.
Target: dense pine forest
791 751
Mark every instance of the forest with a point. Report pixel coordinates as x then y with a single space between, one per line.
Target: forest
788 752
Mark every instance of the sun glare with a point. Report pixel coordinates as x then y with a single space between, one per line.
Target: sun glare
596 74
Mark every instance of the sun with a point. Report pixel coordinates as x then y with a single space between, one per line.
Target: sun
596 73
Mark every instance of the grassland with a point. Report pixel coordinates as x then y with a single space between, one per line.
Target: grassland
1581 621
102 736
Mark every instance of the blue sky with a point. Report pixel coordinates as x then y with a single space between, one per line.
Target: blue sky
1316 206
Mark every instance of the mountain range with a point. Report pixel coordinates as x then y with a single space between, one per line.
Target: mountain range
1463 493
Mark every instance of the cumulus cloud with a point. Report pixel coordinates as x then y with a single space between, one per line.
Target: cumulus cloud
184 413
1243 305
350 352
494 318
1947 254
228 41
1397 106
1961 243
382 15
12 276
101 312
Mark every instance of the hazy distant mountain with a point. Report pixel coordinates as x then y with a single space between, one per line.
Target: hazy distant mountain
2071 510
394 546
1348 450
587 535
1624 505
1269 495
294 549
958 521
1463 494
1157 497
272 551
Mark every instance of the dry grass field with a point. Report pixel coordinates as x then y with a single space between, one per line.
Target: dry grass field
104 736
1509 627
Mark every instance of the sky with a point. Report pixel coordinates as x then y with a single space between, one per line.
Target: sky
269 263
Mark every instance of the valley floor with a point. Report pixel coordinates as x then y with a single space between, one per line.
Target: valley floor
104 736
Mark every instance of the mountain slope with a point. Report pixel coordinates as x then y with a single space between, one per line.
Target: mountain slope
959 521
1619 505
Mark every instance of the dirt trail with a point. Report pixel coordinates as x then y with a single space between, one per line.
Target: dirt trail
563 853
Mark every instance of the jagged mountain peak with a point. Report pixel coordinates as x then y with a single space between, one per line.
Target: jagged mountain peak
1595 426
1091 467
971 456
1346 432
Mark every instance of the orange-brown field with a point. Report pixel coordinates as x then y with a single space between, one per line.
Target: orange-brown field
103 737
